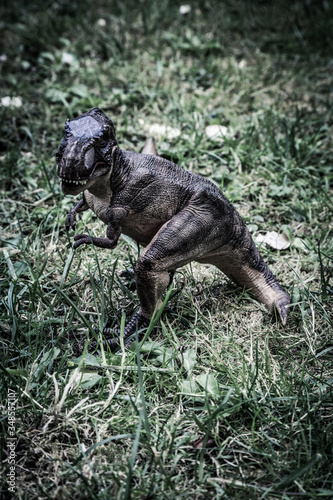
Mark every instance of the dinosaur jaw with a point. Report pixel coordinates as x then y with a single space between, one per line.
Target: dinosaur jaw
73 187
78 185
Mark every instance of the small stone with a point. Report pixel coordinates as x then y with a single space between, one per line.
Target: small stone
184 9
159 131
11 102
67 58
216 132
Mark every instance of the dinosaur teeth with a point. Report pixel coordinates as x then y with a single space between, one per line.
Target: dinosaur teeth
78 182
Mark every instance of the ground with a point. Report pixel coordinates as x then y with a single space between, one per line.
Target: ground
220 400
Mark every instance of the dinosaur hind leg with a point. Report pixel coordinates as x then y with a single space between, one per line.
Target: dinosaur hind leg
179 241
265 287
253 274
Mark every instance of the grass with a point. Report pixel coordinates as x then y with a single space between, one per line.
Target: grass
220 401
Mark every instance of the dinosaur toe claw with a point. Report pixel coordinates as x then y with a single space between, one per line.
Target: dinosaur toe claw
128 274
282 307
138 322
81 239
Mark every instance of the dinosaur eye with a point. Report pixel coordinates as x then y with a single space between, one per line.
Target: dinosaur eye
103 141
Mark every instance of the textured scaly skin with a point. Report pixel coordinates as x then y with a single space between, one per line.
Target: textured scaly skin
178 216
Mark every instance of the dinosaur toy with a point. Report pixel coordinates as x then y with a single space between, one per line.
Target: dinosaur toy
175 214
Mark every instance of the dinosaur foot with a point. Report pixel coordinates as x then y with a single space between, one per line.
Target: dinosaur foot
138 322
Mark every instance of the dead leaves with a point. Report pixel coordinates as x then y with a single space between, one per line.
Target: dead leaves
274 240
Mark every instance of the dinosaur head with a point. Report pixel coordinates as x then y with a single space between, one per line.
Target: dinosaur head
85 153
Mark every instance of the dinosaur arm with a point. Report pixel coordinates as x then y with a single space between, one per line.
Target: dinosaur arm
113 231
71 217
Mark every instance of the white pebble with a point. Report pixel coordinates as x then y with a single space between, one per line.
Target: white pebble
216 132
184 9
67 58
158 131
14 102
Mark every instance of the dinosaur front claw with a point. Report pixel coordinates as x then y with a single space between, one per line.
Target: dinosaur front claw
70 221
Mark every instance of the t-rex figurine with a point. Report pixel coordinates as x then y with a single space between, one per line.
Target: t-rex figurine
175 214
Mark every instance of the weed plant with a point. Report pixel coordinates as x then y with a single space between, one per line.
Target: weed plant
219 400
